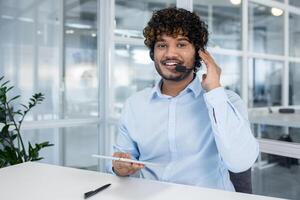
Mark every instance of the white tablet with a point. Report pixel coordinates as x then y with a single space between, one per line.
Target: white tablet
126 160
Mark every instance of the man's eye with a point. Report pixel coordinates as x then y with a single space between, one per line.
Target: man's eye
181 45
161 45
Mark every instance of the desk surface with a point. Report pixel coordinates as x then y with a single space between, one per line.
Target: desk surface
36 181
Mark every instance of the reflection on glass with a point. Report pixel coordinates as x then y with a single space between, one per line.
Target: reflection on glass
132 16
81 88
231 71
224 20
133 70
79 143
278 179
294 3
113 133
265 82
294 39
49 154
294 98
265 29
29 52
73 146
277 176
269 132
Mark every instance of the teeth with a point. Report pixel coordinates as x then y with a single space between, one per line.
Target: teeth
171 63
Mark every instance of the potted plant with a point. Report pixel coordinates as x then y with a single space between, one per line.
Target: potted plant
12 147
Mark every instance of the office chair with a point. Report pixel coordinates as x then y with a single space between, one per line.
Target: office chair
242 181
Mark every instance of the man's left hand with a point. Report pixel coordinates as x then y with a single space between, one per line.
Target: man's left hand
211 80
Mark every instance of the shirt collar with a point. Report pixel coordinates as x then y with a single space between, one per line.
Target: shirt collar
156 91
194 87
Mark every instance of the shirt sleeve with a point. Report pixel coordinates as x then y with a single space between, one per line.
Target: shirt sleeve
236 144
124 142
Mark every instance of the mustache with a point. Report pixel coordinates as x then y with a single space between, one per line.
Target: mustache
179 62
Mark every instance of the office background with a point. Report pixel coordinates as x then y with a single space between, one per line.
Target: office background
88 56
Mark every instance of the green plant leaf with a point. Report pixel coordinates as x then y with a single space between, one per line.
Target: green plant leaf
2 163
2 95
2 116
18 112
33 152
3 160
14 136
3 84
9 153
4 131
14 98
11 87
24 106
45 144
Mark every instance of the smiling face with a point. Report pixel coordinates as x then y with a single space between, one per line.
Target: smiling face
170 51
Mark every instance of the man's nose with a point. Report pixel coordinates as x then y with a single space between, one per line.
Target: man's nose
171 52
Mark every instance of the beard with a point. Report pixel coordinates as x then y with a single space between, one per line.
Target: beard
179 77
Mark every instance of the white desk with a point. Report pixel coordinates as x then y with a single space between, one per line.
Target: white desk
35 181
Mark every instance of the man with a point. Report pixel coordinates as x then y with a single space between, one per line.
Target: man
197 131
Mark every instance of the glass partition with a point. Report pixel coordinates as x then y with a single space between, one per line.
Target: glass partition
294 36
294 3
80 72
131 16
72 147
276 178
265 82
265 29
231 71
224 20
132 71
29 54
294 84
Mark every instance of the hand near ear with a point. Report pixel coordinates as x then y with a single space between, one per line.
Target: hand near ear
211 80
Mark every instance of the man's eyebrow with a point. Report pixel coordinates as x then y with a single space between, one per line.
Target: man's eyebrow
160 40
184 39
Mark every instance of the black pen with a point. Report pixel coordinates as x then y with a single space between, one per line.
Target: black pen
93 192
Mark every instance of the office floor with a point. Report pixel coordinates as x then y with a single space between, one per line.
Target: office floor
277 181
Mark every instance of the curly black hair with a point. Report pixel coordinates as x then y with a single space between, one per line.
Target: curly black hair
173 22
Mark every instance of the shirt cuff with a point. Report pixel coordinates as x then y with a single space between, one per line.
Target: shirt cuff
216 96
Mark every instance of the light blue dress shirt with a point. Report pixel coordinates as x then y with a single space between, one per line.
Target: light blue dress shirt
198 136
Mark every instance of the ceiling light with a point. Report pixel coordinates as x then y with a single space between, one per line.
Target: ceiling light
78 26
236 2
70 31
276 12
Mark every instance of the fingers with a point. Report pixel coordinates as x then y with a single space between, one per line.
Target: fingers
120 163
121 155
209 62
205 56
125 168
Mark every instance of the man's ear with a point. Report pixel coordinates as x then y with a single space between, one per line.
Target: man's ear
197 63
151 54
